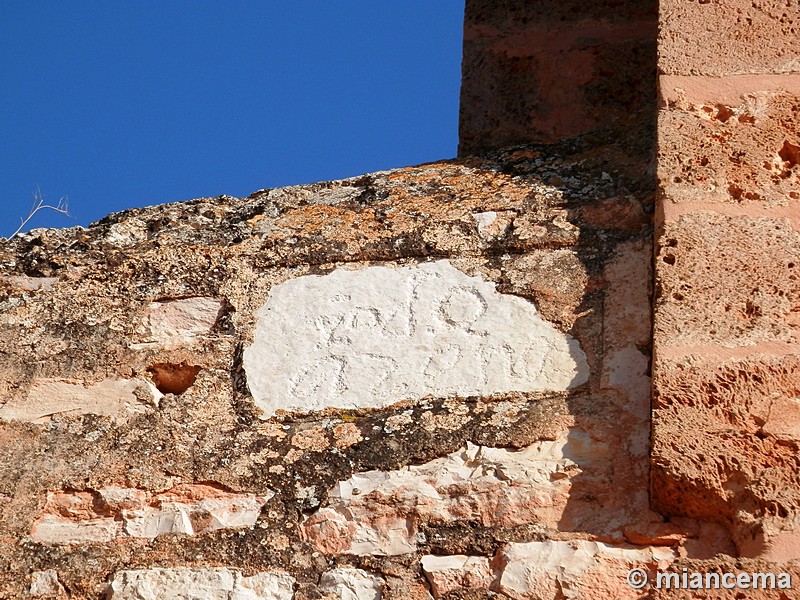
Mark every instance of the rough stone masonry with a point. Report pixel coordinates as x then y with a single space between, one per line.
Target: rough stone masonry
435 382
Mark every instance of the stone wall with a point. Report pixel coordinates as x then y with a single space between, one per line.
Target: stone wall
727 376
552 69
435 382
405 385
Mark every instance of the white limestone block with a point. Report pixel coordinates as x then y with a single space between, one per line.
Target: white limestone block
45 584
191 518
352 584
377 512
264 586
51 529
574 569
184 583
484 220
373 336
179 322
151 522
78 517
31 284
110 397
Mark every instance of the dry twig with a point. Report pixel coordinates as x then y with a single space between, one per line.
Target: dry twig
38 204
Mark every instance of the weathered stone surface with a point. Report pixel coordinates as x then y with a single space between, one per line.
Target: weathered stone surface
380 513
178 322
192 513
45 584
548 248
559 301
626 359
31 284
727 37
538 71
493 224
113 398
516 491
627 321
726 302
754 299
449 573
575 569
78 517
733 144
352 584
372 337
51 529
737 464
183 583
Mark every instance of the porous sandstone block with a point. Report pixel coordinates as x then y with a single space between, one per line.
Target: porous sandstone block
727 37
736 464
730 281
733 141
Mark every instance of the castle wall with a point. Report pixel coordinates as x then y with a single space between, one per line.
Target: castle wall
420 383
461 380
552 69
726 348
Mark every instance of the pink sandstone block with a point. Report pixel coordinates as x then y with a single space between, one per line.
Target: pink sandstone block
725 37
734 141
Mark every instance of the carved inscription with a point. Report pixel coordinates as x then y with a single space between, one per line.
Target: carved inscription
373 336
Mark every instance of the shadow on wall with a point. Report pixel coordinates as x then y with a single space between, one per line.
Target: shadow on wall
591 275
582 78
553 69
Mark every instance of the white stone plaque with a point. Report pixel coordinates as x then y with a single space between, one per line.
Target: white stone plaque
370 337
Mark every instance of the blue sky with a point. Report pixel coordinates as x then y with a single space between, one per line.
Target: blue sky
121 104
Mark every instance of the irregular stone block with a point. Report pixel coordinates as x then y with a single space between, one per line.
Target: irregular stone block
111 397
448 573
627 318
199 583
352 584
379 512
556 278
627 334
31 284
178 322
492 224
370 337
45 584
755 298
174 516
726 37
73 517
52 529
574 569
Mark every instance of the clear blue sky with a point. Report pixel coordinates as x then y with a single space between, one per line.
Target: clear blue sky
121 104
